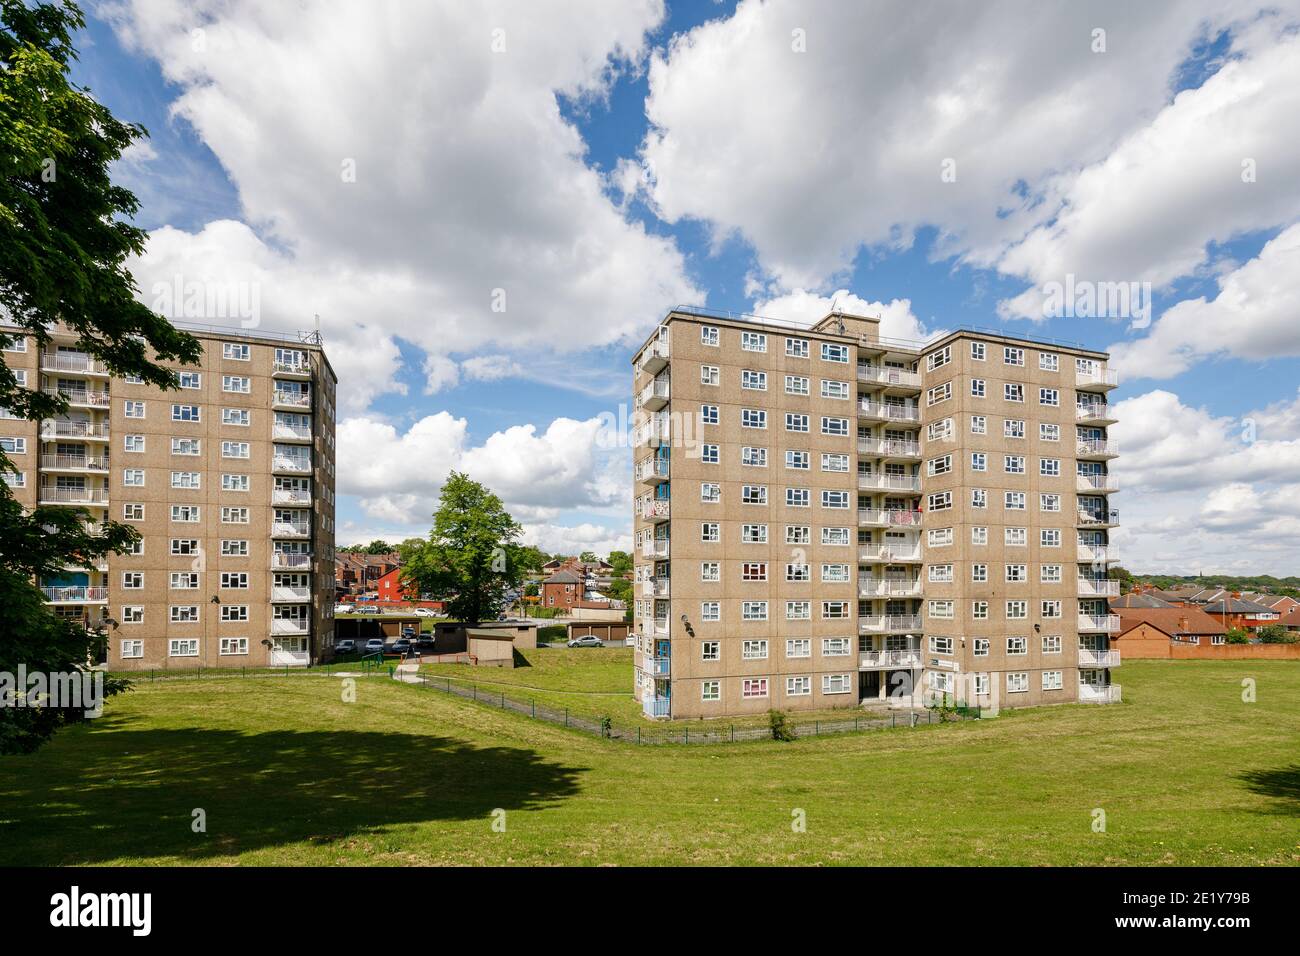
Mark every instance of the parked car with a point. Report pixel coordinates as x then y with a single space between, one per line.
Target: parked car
587 640
374 645
423 612
408 632
425 644
343 609
345 646
400 646
366 609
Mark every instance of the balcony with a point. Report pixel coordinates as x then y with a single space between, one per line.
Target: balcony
80 397
902 623
886 517
1097 588
655 587
659 627
872 660
1094 554
885 587
654 432
904 483
282 432
1097 450
1093 623
889 448
656 548
97 464
895 378
296 370
1099 694
291 464
85 431
890 553
50 495
1096 380
1098 413
284 496
75 595
652 470
1098 519
885 412
654 358
1094 658
655 510
655 706
74 362
285 594
657 667
871 623
290 562
1096 484
290 625
291 400
654 396
290 529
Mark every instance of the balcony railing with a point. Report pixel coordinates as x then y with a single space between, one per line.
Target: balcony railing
903 658
883 587
1098 519
1099 412
655 509
654 357
655 587
290 561
1098 449
285 593
282 496
655 706
657 548
97 463
299 466
654 396
290 625
1096 484
884 411
72 362
659 627
1088 657
890 552
73 496
889 448
1097 378
1098 587
291 399
75 595
653 432
1094 553
93 398
652 469
657 666
882 375
282 432
57 429
1099 622
905 483
297 369
286 529
1099 694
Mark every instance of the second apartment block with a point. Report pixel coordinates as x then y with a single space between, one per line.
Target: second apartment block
826 518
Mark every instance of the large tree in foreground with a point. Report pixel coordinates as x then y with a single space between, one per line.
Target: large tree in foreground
472 557
64 242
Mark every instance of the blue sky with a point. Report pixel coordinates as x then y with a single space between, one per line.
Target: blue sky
762 188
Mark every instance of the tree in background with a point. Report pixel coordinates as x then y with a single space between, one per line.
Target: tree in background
379 547
472 558
64 242
1275 634
1237 636
588 557
1126 580
532 559
620 561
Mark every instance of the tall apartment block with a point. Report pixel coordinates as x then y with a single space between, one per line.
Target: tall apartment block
826 518
229 479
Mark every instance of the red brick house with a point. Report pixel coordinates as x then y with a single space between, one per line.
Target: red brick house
390 588
563 589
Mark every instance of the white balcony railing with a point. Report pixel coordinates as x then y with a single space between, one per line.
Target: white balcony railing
58 429
656 548
1100 518
655 509
889 448
1095 587
899 553
883 375
1093 553
655 587
286 529
1099 694
75 594
75 462
1096 378
93 398
655 356
884 411
903 658
291 399
904 483
883 587
655 706
282 496
299 466
651 469
285 593
290 625
73 496
1099 622
1096 484
1099 412
290 561
1098 449
72 362
302 369
1088 657
654 395
282 432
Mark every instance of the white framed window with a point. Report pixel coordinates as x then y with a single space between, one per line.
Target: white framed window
834 390
183 580
798 534
978 351
234 580
1015 537
1049 537
1013 428
130 650
184 546
235 351
241 384
798 573
234 646
1051 574
186 413
753 380
753 342
835 500
940 430
183 613
753 650
940 645
795 422
1014 500
709 335
1051 643
234 516
133 512
753 534
836 537
835 463
133 443
1052 680
234 547
753 610
1017 682
187 446
183 647
798 686
796 385
977 388
710 375
1049 502
835 426
235 416
753 571
1013 392
835 353
979 461
708 414
190 380
939 501
710 492
980 647
709 532
1049 396
1017 646
797 498
940 610
234 612
1017 610
710 650
711 690
940 573
979 610
753 495
798 460
710 611
1048 432
133 409
753 418
133 614
187 479
13 446
710 454
939 466
979 498
835 573
798 611
939 358
939 537
1049 361
940 393
234 482
1013 356
710 571
1017 573
836 683
752 687
835 610
1014 464
979 573
133 477
796 348
235 449
1049 467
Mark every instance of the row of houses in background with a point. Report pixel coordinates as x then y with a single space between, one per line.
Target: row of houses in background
1188 622
571 584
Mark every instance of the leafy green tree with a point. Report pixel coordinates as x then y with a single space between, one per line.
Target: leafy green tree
379 547
1275 634
65 238
532 558
532 589
472 556
1236 635
620 561
588 557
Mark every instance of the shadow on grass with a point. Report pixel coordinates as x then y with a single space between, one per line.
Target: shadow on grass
1280 783
102 796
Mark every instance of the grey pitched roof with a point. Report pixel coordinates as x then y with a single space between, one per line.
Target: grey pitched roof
1237 606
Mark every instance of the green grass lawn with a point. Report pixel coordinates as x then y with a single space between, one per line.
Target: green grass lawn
288 773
